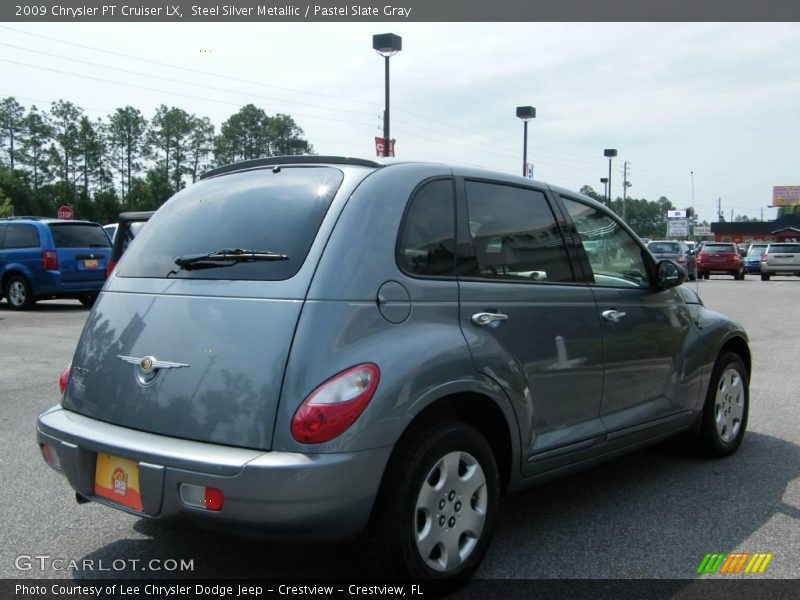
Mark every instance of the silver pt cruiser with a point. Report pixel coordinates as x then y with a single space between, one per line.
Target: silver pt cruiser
321 348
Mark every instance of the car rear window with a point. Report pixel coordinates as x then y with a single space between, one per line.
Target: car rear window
79 235
784 249
718 248
266 210
663 247
754 250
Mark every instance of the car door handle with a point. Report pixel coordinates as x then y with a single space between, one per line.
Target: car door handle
613 315
487 318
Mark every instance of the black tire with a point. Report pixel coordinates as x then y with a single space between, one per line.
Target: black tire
19 294
391 535
764 277
711 441
88 299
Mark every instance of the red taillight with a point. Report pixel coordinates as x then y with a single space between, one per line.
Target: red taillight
110 267
51 456
63 379
335 405
200 496
49 260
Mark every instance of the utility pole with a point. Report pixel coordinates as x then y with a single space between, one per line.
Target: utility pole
625 185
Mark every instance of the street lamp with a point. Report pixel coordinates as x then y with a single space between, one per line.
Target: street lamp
604 181
387 45
526 113
609 153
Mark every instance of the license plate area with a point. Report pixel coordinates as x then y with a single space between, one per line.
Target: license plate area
117 479
91 263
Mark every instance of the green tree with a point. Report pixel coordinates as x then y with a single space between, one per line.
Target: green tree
243 136
127 130
6 208
201 145
65 121
285 137
169 134
34 148
11 125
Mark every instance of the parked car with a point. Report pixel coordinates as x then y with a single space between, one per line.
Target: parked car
130 223
720 257
43 258
742 249
320 348
752 262
675 251
780 259
111 230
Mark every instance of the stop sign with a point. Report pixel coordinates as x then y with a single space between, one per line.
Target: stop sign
65 212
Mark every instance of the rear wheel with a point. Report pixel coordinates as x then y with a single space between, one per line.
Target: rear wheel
19 293
724 417
436 509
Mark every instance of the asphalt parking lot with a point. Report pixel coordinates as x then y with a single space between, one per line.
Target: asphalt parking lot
653 514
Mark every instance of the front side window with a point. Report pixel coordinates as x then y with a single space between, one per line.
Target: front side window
515 234
616 258
427 237
20 235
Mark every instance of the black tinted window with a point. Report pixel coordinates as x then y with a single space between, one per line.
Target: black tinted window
515 234
20 235
268 210
427 238
664 247
79 236
784 248
719 248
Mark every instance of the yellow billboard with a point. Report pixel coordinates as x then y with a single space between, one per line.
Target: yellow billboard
785 195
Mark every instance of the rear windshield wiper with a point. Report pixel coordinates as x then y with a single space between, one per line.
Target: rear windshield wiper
227 255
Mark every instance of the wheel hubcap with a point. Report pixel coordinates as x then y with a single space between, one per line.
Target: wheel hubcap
729 405
450 511
16 293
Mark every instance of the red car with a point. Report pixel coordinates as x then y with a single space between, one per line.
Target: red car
723 258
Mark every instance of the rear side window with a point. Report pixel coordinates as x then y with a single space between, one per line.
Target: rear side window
79 236
264 210
20 235
515 234
427 238
784 249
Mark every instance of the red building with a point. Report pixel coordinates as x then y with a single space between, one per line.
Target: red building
782 229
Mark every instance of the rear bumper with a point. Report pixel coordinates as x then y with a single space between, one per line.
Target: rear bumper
752 267
276 495
780 269
51 283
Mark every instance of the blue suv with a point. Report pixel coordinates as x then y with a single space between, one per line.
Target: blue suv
43 258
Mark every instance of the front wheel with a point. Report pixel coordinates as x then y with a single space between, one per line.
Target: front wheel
724 417
436 509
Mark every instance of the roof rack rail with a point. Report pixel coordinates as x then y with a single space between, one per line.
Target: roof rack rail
29 217
286 160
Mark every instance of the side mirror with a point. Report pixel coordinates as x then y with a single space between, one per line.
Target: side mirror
669 274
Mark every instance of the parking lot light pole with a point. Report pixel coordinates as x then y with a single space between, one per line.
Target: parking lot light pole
387 45
609 153
526 113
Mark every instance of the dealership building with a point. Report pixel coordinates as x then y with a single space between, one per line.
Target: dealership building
782 229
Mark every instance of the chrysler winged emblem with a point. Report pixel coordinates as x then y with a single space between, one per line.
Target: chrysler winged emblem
149 364
149 367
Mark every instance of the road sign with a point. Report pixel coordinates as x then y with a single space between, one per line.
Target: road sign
676 214
379 145
678 228
65 212
702 230
785 195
